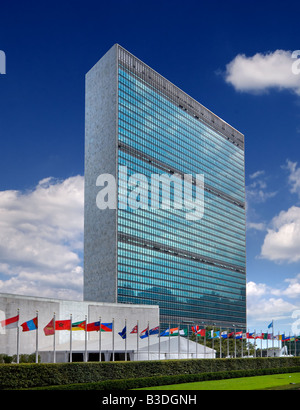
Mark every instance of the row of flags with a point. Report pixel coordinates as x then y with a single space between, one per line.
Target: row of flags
212 334
55 325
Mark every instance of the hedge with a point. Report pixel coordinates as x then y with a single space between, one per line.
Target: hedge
29 375
142 382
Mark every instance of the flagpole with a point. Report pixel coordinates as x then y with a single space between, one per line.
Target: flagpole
188 343
137 340
37 338
260 343
178 340
234 342
71 338
159 341
148 342
228 342
169 340
204 341
242 350
196 343
113 340
273 337
85 339
125 340
100 336
18 337
54 351
220 338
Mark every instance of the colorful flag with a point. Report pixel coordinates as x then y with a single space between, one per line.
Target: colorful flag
10 323
62 324
106 327
250 335
59 325
154 331
123 333
215 334
270 325
239 335
285 338
30 325
78 325
174 332
196 329
91 327
135 329
224 335
49 328
95 326
144 333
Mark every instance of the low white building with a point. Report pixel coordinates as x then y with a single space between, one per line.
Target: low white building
29 307
81 345
114 347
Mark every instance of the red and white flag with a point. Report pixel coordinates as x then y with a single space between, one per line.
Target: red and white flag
11 323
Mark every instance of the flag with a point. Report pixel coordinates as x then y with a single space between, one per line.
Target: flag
62 324
10 323
239 335
49 328
106 327
196 329
30 325
215 335
78 325
270 325
144 333
174 332
95 326
285 338
154 331
224 335
135 329
123 333
250 335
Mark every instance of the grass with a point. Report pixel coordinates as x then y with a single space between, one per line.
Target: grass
271 382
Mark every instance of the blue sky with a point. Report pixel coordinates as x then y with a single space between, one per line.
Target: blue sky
233 57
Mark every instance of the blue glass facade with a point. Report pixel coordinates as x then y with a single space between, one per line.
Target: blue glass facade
194 270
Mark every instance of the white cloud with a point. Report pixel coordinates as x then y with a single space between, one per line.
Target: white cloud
282 241
258 226
294 177
41 239
256 174
263 305
293 290
257 191
256 289
262 72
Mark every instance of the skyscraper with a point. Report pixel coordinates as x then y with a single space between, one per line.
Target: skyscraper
155 241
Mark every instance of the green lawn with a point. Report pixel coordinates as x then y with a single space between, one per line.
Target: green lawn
243 383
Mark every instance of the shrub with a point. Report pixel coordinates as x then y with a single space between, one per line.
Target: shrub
28 375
